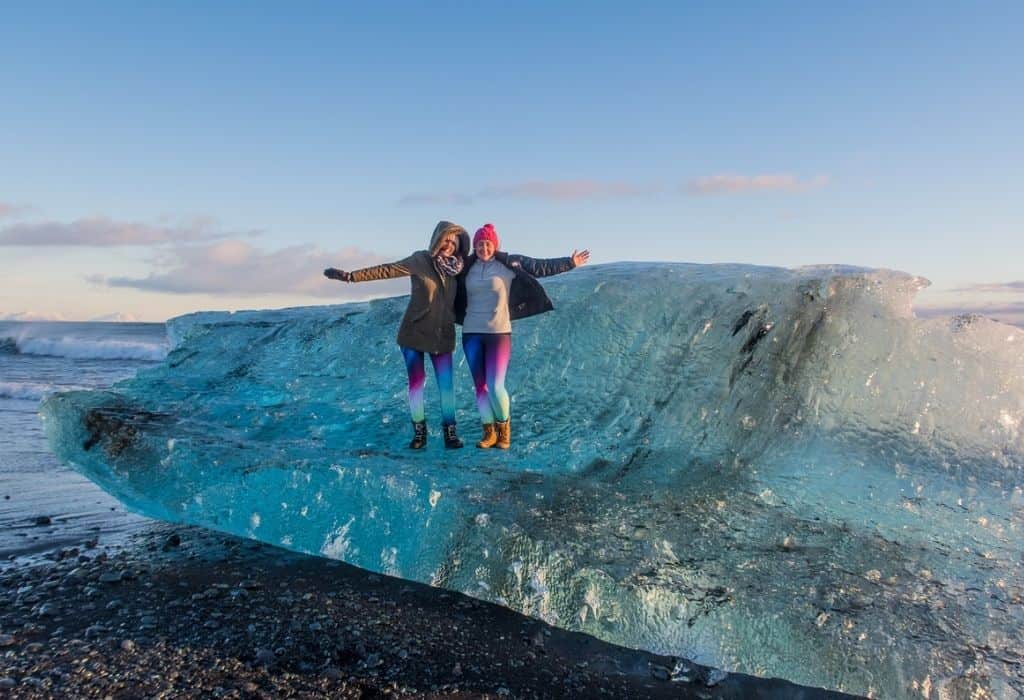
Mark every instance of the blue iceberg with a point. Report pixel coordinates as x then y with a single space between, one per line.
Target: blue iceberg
775 471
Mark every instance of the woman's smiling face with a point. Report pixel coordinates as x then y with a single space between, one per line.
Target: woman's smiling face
448 247
484 250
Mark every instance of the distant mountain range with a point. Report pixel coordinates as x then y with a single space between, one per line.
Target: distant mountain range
31 316
118 317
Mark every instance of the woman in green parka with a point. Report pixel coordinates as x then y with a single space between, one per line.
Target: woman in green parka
428 326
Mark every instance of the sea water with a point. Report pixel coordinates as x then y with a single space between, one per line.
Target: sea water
37 359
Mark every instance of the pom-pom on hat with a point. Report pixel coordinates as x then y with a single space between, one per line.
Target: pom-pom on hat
486 233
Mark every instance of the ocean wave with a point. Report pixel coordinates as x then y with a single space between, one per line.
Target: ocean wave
82 349
31 391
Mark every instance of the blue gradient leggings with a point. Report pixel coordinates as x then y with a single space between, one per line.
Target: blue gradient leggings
418 377
488 355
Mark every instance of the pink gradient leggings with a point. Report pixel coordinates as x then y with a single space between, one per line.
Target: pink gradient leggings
488 355
418 377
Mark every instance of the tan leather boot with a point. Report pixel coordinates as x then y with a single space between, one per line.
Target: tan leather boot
504 431
490 437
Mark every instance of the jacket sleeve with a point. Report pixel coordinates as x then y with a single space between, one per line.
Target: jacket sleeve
543 267
386 271
461 300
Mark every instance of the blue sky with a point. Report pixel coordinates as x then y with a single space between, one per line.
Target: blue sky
157 160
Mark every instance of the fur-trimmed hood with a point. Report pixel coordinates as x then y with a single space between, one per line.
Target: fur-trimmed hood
443 230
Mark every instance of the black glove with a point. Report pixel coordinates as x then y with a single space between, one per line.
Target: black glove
336 274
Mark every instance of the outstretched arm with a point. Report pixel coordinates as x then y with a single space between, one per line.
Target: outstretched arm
370 274
545 267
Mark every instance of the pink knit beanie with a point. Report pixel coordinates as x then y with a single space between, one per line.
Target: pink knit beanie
486 233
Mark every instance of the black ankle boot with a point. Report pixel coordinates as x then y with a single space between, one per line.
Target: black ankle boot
451 440
419 435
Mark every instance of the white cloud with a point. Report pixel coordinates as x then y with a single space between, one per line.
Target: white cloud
237 268
999 287
8 210
437 199
565 191
596 190
734 184
553 191
103 232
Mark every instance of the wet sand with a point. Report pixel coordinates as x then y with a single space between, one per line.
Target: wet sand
184 612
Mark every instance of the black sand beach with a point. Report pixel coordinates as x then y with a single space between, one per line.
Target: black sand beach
184 612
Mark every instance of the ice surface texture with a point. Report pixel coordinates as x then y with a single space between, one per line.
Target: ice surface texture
776 471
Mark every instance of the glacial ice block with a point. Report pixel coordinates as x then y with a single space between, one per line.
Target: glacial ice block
780 472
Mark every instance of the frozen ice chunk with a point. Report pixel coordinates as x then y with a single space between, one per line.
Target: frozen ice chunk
717 456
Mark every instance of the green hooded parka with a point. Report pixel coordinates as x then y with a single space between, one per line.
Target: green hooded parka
429 321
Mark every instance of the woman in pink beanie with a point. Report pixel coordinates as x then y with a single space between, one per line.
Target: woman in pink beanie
496 288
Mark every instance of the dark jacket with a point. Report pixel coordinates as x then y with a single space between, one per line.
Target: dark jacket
429 323
526 297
